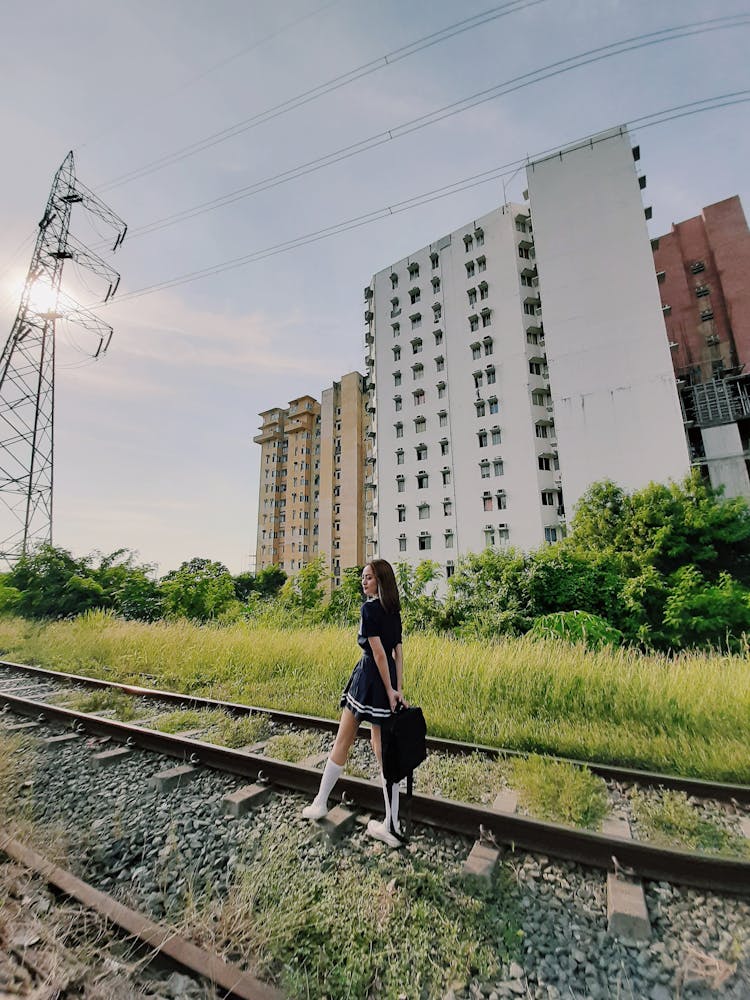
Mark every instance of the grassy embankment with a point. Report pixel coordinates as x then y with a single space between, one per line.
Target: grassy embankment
689 714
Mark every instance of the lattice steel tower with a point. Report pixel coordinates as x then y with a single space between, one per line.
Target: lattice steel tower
27 363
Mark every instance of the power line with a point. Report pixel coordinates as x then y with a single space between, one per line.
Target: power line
494 173
343 80
499 90
216 66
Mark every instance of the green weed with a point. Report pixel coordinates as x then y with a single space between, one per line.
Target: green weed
188 718
669 818
559 792
121 704
473 778
241 732
391 926
292 746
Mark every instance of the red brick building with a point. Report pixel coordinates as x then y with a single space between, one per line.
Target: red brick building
703 271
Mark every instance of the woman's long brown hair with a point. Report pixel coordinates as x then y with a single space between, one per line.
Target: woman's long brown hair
387 586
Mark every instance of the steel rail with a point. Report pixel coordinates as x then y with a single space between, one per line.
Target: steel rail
595 850
699 787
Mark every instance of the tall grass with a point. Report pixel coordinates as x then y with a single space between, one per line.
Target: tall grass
689 714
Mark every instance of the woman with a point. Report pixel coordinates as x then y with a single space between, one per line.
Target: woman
372 693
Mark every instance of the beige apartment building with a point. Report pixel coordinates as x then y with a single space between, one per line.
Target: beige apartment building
311 486
287 506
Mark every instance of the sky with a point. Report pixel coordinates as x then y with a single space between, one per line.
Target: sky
153 440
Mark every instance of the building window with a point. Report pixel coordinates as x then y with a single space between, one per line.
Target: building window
660 276
550 534
698 266
548 498
707 314
496 435
484 290
413 271
436 285
535 367
438 311
424 511
479 237
399 430
400 484
396 353
481 264
488 346
447 508
417 372
479 405
397 402
414 296
702 291
484 468
438 334
396 327
497 467
434 260
394 280
473 323
489 537
446 476
490 371
523 252
541 431
440 363
441 390
401 513
539 397
449 539
400 456
416 345
450 569
476 351
472 293
421 452
468 242
486 501
418 397
545 464
402 543
478 379
423 480
416 320
470 269
486 317
442 419
397 378
444 446
420 425
494 406
482 437
425 543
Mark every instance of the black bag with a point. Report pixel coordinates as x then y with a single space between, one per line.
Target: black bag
403 735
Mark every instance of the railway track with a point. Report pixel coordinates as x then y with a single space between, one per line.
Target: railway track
722 874
127 826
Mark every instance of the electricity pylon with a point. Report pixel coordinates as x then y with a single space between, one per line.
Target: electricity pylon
27 363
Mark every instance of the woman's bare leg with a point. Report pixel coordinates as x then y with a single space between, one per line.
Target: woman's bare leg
345 737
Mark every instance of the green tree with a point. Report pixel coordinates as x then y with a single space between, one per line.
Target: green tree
305 589
52 584
700 613
488 594
244 585
346 600
269 581
199 589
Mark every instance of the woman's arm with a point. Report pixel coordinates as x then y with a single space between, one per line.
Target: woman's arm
381 662
398 656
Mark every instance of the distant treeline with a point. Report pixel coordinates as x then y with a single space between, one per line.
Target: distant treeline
666 567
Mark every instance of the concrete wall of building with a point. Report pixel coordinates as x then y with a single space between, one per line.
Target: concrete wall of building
617 413
351 494
725 459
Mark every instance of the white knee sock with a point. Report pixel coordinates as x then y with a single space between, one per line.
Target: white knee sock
391 805
331 775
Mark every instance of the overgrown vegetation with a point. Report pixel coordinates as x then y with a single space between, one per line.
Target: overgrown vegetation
670 819
389 926
186 719
473 778
242 732
685 714
560 792
293 747
666 567
122 705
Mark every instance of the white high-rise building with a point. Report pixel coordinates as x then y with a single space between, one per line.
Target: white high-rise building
465 446
477 437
